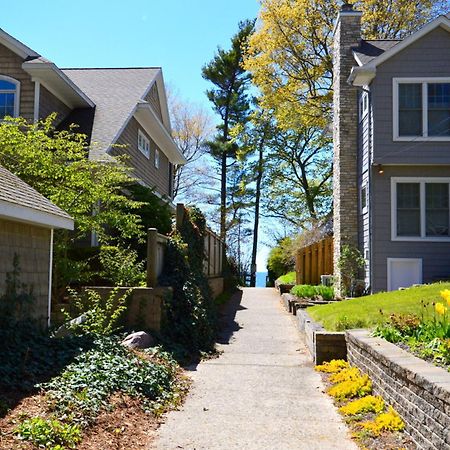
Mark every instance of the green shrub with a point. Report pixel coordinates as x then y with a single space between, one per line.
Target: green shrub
308 291
49 433
122 267
289 278
280 259
102 315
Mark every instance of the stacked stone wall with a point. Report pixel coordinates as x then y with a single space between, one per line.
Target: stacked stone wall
419 391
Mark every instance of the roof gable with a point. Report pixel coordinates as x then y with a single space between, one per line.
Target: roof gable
371 54
16 46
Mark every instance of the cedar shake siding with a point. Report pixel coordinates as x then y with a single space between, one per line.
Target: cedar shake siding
11 66
32 245
435 255
427 57
144 168
153 98
49 104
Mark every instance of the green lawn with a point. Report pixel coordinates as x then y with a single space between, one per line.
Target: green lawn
288 278
364 312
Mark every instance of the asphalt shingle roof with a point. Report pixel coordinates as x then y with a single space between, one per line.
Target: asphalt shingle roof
115 93
370 49
14 190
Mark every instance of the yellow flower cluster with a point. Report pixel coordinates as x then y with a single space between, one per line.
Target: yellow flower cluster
366 404
440 308
349 374
334 366
389 421
359 387
445 294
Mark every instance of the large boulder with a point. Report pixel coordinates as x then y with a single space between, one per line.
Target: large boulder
140 339
67 329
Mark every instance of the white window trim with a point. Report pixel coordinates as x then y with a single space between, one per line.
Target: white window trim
366 208
422 181
145 139
395 106
363 105
393 260
157 158
17 94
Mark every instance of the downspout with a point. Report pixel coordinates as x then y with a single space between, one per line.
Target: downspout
50 273
37 95
370 191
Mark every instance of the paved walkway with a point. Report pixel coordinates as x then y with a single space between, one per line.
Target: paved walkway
260 394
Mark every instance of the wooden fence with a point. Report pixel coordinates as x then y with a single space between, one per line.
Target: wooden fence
156 245
313 261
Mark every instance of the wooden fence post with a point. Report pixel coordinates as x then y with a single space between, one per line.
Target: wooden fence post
179 215
152 249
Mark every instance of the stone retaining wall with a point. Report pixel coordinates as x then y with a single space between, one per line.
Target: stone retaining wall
419 391
322 345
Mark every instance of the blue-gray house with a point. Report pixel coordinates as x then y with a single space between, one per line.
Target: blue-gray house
392 151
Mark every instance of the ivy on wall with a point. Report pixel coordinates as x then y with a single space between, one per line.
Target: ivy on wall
189 312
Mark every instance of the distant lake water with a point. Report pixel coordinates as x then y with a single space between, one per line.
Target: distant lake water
261 279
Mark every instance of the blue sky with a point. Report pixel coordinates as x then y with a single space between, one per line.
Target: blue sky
178 35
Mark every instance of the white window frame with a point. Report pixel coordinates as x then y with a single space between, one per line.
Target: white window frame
394 260
16 94
395 105
363 105
157 158
364 209
143 138
422 181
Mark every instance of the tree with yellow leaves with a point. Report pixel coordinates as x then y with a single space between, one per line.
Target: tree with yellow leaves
290 54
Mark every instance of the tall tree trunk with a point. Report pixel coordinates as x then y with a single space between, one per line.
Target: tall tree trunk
257 202
223 198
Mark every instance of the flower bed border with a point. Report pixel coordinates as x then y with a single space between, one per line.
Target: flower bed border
419 391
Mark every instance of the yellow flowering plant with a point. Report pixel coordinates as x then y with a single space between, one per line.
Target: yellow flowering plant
388 421
358 387
367 404
333 366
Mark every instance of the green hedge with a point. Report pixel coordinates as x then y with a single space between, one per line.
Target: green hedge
288 278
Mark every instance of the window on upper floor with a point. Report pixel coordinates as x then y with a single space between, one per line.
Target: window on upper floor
363 104
157 158
420 209
9 97
143 144
422 109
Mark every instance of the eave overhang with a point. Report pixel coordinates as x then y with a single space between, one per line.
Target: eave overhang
59 84
362 76
145 115
31 216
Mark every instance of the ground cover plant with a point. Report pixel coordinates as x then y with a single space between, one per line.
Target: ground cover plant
374 424
308 291
288 278
373 310
426 334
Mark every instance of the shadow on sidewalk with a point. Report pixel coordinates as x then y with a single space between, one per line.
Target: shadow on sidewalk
227 323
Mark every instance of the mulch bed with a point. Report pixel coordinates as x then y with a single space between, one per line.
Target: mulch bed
385 441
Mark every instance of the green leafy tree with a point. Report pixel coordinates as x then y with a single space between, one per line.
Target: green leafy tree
231 102
56 164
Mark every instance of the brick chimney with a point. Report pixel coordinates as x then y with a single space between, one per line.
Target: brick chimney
347 35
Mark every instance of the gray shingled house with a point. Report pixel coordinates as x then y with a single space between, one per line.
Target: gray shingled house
27 221
125 106
392 151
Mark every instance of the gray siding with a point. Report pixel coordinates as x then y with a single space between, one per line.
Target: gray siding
435 255
365 137
11 65
48 104
153 98
428 57
144 168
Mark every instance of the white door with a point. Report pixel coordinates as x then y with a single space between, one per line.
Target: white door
403 272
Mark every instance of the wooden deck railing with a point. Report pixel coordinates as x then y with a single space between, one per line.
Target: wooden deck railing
313 261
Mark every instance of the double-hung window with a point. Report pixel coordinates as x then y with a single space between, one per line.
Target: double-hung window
421 109
420 209
9 97
143 144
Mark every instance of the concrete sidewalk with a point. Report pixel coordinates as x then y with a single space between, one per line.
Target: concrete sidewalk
261 393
